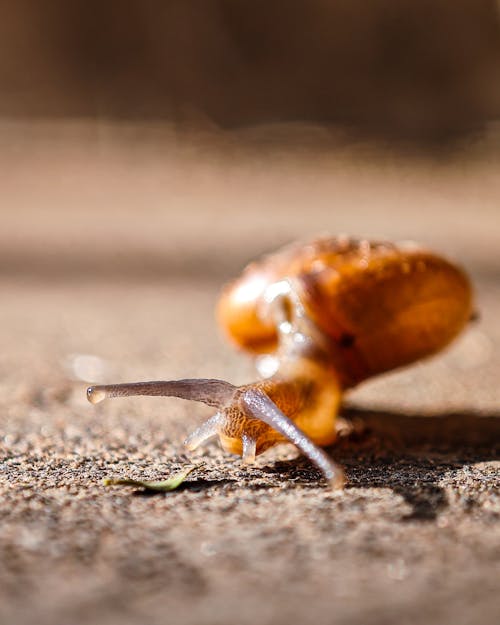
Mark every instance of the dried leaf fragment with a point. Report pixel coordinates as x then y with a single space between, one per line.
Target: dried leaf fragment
163 486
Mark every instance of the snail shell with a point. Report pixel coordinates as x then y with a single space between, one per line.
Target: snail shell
378 305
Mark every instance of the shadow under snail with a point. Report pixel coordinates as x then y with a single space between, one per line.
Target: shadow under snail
320 318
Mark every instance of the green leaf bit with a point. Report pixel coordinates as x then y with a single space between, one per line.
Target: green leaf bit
163 486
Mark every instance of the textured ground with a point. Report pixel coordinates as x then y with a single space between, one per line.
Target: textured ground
415 537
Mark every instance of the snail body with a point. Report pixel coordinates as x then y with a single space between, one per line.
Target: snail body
320 318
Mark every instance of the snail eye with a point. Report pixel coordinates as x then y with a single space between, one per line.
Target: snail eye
347 340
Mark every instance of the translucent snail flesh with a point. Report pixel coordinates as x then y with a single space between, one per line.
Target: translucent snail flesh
320 318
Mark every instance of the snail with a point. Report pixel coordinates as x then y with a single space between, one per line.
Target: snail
319 318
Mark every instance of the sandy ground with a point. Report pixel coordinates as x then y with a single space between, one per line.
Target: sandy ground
112 256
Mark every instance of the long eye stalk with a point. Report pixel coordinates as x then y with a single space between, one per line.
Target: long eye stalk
258 405
216 393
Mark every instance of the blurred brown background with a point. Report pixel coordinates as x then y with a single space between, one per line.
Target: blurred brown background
161 116
420 69
147 151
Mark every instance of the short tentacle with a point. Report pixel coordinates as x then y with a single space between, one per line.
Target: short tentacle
206 431
249 449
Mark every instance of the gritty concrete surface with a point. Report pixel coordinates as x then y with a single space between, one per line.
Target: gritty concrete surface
415 537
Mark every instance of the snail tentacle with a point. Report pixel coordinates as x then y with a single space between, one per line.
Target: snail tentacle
207 430
257 404
216 393
249 450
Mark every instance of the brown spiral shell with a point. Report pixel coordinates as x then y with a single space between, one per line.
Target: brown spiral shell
379 305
